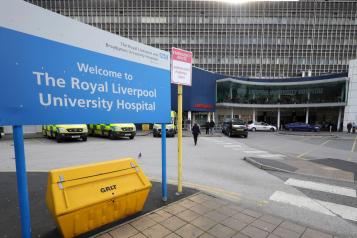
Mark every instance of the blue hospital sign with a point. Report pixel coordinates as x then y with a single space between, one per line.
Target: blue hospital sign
57 70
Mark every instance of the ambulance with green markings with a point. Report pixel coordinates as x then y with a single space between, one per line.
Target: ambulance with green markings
113 131
171 128
65 132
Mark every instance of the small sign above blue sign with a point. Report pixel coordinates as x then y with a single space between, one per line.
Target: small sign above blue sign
57 70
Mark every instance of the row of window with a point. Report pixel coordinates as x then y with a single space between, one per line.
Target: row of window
232 92
111 17
294 61
256 39
243 40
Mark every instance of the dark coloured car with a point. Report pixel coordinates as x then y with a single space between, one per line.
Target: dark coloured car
300 126
235 127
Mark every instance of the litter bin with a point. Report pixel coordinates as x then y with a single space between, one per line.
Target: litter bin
83 198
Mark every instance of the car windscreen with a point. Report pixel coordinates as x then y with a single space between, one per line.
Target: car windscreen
238 122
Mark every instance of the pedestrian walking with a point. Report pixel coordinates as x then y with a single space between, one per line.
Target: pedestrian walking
195 132
349 127
211 126
207 127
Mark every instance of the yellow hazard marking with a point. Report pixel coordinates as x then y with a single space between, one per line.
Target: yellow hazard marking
301 156
232 196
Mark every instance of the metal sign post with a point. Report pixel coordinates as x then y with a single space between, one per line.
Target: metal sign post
22 181
179 135
163 163
181 74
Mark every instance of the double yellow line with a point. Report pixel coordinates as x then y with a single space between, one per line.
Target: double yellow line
301 156
229 195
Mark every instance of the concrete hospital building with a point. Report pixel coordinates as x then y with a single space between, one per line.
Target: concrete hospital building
277 62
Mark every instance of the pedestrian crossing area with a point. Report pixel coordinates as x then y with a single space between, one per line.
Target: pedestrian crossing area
244 149
328 201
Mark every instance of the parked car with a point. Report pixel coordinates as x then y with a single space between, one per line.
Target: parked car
235 127
300 126
113 130
170 128
261 126
64 132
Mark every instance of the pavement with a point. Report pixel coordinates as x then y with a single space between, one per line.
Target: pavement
42 222
206 216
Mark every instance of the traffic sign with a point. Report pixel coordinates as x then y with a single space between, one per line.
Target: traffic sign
181 67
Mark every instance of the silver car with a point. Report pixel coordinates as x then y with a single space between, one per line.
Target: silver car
261 126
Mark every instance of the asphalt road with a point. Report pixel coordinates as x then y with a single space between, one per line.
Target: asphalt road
216 165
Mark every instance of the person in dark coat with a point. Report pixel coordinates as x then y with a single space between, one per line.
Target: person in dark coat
211 126
349 126
207 127
195 132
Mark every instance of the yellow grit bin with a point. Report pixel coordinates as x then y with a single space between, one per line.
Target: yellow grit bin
83 198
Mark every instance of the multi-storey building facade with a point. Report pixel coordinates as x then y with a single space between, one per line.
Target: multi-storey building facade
247 46
257 39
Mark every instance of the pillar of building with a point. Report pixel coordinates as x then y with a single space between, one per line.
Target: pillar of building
254 115
209 117
213 117
232 113
278 120
339 118
231 92
307 116
189 115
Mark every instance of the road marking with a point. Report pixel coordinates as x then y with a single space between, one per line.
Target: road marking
254 151
352 149
231 146
276 156
322 187
299 201
223 143
343 211
327 208
308 152
219 192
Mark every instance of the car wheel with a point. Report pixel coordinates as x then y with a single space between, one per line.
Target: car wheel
111 135
229 134
131 137
84 138
272 129
253 129
246 136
